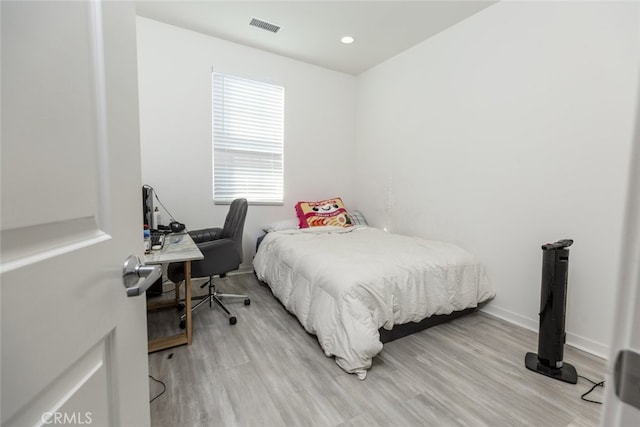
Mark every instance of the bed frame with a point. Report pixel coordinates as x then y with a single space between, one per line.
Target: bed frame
399 331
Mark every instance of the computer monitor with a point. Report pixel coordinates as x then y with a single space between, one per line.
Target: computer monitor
147 205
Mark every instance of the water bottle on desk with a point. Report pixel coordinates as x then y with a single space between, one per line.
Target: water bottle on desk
155 220
147 239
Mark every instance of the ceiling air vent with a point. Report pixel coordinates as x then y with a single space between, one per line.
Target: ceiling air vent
264 25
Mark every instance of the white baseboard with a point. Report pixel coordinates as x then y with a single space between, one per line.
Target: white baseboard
590 346
244 269
577 341
511 317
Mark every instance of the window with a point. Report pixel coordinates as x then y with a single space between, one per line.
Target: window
248 140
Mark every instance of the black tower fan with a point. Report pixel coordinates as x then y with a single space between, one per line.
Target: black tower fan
553 302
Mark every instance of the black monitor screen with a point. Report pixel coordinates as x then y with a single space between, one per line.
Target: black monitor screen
147 205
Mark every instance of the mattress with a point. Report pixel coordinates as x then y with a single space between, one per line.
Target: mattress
343 284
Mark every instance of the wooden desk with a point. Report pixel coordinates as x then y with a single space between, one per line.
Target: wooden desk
176 248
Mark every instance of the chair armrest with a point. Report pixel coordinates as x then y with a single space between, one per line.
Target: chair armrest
206 234
220 257
214 248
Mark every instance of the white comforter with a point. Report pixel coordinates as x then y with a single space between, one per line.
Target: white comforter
343 284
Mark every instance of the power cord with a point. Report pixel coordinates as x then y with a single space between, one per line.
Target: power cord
173 289
595 385
155 194
164 388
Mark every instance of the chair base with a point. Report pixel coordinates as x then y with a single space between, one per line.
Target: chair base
214 296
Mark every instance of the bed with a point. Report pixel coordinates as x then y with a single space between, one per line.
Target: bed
346 284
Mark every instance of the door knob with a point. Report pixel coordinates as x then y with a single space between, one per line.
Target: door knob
134 270
626 377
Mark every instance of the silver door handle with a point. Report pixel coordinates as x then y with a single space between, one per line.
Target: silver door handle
134 270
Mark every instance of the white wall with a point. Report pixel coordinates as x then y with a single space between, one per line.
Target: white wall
506 131
175 120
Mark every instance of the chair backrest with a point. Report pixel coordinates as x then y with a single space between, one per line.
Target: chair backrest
234 223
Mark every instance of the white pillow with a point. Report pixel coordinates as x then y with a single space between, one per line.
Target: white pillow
286 224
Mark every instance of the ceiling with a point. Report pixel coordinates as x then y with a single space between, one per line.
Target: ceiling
311 30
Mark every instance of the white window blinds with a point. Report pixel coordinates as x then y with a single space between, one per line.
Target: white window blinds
248 139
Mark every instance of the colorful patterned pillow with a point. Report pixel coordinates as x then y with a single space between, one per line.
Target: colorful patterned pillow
324 212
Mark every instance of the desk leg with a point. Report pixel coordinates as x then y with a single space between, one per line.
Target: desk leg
177 293
183 338
187 299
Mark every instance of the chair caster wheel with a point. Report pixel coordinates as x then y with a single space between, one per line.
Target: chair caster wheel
233 320
247 301
182 324
180 307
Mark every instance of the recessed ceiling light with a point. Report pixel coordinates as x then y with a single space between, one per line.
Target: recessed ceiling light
347 39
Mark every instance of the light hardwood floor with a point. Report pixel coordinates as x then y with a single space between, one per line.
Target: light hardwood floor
267 371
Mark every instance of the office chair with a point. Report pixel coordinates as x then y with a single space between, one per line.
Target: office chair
222 250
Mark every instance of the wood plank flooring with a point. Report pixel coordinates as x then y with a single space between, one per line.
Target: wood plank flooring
267 371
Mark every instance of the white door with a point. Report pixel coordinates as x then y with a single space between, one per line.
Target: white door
74 347
626 336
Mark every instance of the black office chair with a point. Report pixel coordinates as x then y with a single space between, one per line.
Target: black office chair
222 250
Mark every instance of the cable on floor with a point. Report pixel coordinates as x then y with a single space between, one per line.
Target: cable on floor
164 388
173 289
595 385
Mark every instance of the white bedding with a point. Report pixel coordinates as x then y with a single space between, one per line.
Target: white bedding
344 284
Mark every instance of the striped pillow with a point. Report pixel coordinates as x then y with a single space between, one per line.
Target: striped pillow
357 218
